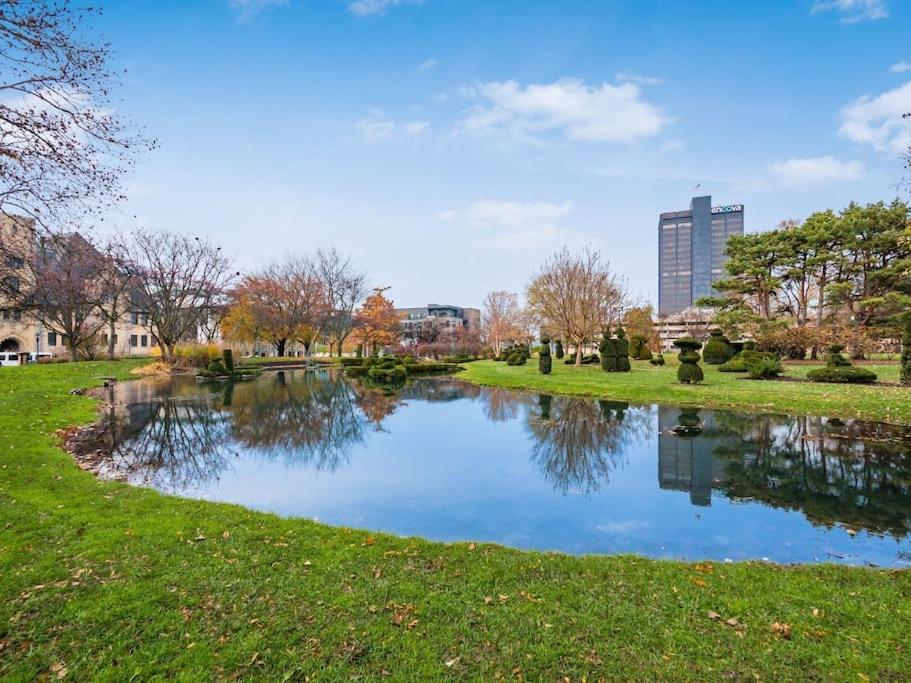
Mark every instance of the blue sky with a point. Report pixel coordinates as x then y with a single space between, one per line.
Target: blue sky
449 146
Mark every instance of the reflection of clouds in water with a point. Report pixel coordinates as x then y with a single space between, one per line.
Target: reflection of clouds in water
632 526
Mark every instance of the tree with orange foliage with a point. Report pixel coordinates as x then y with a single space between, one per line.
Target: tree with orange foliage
377 323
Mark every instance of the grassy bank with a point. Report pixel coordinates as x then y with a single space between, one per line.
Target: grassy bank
650 384
100 580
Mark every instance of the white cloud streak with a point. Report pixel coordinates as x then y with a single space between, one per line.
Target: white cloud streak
367 8
900 67
853 11
878 121
605 113
815 171
427 65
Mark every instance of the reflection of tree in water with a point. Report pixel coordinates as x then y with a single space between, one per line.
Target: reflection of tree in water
847 472
503 405
182 439
311 421
171 443
580 442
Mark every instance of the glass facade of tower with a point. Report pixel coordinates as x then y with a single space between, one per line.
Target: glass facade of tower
691 251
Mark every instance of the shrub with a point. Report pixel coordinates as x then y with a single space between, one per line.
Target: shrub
622 346
431 367
592 359
608 349
636 345
359 351
834 358
906 351
216 367
516 358
764 368
408 359
841 374
351 362
544 360
228 359
733 365
717 349
197 355
657 360
689 371
559 350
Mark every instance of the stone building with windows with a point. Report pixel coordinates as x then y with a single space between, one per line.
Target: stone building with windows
448 319
21 332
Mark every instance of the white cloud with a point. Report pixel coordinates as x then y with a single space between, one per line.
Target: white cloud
509 225
366 8
671 146
878 120
605 113
816 171
900 67
427 65
416 127
247 9
624 77
376 127
853 11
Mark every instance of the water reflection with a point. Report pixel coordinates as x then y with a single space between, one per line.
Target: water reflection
480 456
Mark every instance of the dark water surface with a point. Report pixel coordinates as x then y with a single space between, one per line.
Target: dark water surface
450 461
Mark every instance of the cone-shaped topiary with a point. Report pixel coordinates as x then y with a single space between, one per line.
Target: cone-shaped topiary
622 346
228 358
608 349
544 360
559 350
689 371
359 351
906 351
717 349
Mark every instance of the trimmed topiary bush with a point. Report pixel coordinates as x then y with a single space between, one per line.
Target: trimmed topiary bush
906 351
622 346
657 360
689 371
839 370
516 358
835 359
544 359
638 348
608 349
842 374
717 349
558 351
227 357
217 367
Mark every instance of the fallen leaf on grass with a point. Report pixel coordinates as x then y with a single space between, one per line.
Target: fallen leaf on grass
452 662
713 615
783 630
59 670
488 600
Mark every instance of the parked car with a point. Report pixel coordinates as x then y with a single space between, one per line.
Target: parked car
9 358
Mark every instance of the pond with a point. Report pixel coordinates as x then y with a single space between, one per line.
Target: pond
447 460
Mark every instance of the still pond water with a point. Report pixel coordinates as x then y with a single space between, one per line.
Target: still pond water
447 460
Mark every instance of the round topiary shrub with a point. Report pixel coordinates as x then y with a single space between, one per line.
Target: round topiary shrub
841 374
657 360
717 349
544 359
689 371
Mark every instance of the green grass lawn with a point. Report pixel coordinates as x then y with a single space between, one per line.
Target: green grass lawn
650 384
103 581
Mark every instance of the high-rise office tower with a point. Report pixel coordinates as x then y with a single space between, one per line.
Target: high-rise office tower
691 251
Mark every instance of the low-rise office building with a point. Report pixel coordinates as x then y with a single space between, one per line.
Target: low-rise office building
452 319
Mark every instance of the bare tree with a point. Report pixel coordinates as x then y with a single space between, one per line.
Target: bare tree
500 318
344 288
179 280
116 280
60 287
63 149
576 296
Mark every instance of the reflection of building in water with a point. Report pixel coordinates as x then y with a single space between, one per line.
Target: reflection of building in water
687 463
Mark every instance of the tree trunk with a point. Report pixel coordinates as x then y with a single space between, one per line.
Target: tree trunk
578 355
71 348
280 347
111 329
